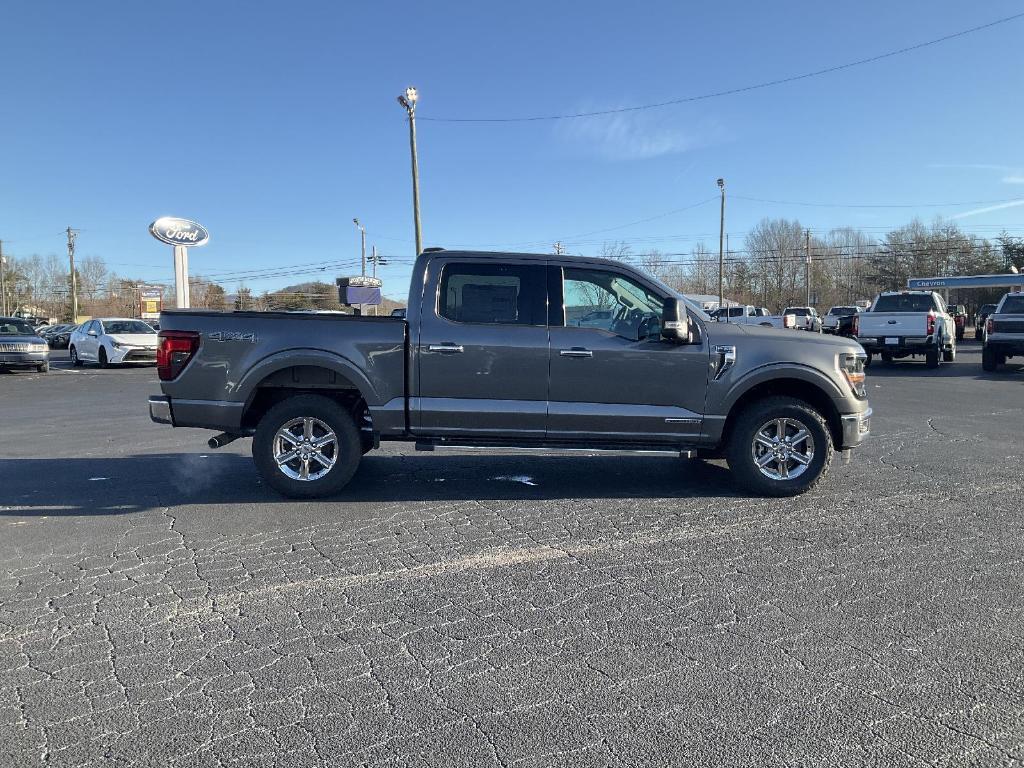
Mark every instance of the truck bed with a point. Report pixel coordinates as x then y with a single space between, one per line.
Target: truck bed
277 348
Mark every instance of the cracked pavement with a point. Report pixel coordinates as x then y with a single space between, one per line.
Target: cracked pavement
159 607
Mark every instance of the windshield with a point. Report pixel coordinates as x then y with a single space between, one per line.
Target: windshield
842 310
1012 305
126 326
11 326
986 309
904 302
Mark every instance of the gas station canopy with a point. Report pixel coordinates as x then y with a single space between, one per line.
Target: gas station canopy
965 281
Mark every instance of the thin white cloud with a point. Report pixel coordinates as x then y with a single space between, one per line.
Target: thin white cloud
977 211
631 137
972 166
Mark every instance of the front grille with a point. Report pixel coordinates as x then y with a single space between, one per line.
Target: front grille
1008 326
13 346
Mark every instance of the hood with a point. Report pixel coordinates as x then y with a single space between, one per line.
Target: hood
134 339
22 339
724 333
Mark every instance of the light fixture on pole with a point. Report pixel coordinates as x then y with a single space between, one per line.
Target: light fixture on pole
362 258
721 251
408 101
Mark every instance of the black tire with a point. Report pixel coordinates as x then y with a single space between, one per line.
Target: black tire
347 452
977 334
868 359
932 358
44 368
949 355
741 448
102 357
989 361
887 358
960 333
76 361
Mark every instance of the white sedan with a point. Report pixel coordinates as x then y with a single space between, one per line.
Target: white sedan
112 340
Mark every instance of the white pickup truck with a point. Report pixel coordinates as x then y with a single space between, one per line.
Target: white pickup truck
751 315
907 324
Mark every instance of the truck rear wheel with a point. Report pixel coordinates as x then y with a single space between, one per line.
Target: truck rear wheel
780 446
989 361
307 447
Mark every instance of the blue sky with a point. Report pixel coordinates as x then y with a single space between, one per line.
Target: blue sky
273 124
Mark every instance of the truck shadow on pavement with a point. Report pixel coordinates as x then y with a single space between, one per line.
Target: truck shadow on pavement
115 486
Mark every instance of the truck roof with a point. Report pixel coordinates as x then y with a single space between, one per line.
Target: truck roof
434 253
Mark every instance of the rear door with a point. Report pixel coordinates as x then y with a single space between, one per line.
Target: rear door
482 354
89 347
620 382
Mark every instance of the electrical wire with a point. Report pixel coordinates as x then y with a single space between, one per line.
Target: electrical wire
733 91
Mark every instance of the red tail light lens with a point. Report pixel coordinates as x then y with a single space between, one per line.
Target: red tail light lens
989 325
930 327
175 350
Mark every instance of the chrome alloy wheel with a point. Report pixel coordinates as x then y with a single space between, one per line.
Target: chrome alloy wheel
305 449
783 449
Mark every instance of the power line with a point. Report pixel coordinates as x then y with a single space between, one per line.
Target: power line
733 91
879 205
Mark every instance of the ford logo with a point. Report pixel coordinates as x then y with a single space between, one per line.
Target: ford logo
174 231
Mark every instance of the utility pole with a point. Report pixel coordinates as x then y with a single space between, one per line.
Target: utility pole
807 265
72 234
375 260
559 248
721 252
3 284
408 101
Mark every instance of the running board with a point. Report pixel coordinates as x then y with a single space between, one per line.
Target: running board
551 447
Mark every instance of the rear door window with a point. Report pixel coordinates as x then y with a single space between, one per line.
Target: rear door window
904 302
493 294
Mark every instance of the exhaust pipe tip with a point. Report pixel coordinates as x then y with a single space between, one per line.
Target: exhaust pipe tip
219 441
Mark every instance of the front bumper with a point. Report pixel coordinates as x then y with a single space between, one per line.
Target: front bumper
856 428
23 359
160 410
132 355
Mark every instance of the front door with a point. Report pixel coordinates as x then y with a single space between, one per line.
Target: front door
612 375
482 354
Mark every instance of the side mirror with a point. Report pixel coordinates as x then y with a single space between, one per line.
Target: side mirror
93 333
675 322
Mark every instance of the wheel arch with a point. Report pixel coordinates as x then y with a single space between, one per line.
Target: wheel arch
815 393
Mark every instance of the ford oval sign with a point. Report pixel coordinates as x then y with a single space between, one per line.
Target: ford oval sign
175 231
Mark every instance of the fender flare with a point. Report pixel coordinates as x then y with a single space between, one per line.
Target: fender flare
775 371
318 358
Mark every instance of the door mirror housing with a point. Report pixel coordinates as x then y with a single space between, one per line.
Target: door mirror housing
675 322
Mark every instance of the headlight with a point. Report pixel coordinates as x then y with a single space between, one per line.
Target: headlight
115 344
852 366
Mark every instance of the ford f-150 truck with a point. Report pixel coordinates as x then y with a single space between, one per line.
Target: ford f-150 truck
908 323
490 355
1004 332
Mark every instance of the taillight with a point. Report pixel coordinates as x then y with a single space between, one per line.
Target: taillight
930 326
856 325
989 325
175 350
789 321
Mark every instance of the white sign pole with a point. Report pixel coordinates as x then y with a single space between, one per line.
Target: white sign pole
181 297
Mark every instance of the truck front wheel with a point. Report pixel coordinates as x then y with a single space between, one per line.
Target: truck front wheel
307 447
779 446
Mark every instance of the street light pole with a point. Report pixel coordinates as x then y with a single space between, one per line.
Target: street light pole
362 233
721 252
408 101
3 284
72 234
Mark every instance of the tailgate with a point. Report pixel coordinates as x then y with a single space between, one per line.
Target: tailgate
893 324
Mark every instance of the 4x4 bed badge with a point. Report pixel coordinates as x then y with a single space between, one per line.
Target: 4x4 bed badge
249 336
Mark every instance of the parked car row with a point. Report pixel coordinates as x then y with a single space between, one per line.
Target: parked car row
106 341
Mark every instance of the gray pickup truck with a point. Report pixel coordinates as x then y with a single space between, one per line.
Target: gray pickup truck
1004 332
519 350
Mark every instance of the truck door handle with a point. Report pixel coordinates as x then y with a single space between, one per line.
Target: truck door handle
448 348
576 352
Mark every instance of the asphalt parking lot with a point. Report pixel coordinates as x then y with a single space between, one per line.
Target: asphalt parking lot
158 606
